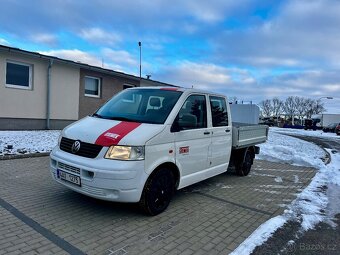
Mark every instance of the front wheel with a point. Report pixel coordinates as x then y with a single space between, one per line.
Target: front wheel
158 192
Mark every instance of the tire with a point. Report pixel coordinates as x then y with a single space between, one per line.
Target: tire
243 168
158 192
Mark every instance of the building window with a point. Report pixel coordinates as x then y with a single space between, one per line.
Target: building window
18 75
92 86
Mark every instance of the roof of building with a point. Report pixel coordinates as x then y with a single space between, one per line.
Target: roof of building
75 63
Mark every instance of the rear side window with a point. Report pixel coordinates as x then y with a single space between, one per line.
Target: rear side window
219 111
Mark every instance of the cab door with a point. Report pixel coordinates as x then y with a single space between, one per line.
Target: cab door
192 139
221 137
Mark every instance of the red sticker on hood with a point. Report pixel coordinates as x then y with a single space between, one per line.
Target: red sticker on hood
116 133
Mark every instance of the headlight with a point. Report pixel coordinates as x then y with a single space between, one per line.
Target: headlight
59 139
125 152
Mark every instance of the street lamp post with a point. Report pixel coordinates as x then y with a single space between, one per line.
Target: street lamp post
140 60
317 102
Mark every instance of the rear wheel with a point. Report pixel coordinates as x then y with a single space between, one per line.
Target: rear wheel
158 192
243 167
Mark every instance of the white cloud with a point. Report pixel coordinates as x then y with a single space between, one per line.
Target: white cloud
110 59
75 55
213 11
100 36
48 39
4 42
303 34
121 60
205 76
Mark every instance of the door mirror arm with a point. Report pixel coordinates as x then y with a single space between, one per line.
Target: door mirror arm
175 127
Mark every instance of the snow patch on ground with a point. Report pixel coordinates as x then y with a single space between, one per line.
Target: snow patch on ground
278 179
26 142
317 133
261 234
310 205
286 149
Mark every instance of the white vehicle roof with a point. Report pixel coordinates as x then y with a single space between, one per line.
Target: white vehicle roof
184 90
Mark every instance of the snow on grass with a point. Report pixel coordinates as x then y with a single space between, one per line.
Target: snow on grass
310 205
26 142
286 149
317 133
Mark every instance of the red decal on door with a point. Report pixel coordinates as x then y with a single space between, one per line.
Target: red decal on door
116 133
183 150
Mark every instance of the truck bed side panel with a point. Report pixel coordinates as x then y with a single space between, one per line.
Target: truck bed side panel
246 135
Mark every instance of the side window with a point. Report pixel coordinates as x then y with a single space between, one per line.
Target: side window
193 113
218 111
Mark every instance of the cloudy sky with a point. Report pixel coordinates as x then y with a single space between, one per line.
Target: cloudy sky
251 49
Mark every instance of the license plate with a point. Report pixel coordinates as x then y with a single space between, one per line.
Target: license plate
68 177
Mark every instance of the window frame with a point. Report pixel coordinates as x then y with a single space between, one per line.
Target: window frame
99 86
30 75
211 113
206 113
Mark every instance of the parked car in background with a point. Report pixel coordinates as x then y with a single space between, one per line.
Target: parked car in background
337 129
267 121
330 128
310 124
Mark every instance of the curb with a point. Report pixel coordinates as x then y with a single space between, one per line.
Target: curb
20 156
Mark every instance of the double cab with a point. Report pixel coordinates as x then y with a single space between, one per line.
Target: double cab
146 143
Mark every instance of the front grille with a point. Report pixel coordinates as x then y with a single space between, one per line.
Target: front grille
87 150
66 167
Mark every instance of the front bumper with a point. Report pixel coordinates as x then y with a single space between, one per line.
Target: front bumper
112 180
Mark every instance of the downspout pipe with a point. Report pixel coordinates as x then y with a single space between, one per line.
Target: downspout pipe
48 101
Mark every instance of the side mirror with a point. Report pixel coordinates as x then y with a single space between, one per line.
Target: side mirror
187 121
175 127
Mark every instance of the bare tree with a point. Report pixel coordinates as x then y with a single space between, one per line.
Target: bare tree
266 107
300 103
309 108
277 107
319 107
290 107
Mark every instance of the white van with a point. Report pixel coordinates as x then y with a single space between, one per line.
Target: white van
145 143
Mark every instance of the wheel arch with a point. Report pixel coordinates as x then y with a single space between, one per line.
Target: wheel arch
173 168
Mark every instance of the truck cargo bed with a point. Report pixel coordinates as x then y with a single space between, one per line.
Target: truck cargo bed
245 135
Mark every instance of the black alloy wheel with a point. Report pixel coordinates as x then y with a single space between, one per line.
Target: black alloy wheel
158 192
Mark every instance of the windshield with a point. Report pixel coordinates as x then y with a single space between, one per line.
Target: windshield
140 105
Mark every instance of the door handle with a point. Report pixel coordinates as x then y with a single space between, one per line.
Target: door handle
206 133
227 130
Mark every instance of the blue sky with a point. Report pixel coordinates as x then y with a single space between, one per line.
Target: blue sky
251 49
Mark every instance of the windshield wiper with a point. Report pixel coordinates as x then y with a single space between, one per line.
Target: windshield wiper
121 118
113 118
97 115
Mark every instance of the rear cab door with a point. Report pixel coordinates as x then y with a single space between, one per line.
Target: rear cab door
221 134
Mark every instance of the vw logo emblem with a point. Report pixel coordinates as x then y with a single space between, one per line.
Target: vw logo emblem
75 147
